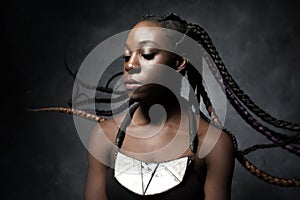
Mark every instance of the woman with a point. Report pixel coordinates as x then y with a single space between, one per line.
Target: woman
147 153
148 132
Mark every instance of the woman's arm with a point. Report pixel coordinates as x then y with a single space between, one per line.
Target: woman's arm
220 166
95 181
98 159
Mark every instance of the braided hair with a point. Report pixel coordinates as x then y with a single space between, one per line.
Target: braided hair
174 22
236 97
241 102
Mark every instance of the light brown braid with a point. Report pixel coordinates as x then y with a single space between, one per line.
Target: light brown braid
72 111
196 32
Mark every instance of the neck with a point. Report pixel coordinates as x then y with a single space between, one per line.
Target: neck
166 108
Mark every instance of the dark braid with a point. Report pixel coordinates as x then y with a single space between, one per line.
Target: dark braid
113 77
232 91
101 100
97 88
122 130
80 82
118 110
272 135
196 82
293 139
240 156
203 38
174 22
196 32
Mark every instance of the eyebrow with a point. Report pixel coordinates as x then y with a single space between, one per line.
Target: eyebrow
143 43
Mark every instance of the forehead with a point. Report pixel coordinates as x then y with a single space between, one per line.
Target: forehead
151 33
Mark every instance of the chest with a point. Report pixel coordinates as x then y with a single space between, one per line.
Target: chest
156 144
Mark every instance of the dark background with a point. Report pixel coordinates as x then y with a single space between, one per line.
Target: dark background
42 156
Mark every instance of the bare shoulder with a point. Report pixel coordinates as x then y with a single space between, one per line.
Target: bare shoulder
107 128
101 140
221 143
224 144
219 161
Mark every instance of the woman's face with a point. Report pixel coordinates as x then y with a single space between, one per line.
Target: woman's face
143 59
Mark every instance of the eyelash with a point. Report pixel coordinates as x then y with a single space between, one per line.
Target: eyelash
148 56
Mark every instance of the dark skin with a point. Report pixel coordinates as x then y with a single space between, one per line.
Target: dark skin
214 170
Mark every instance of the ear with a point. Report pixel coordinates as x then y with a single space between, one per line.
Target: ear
181 64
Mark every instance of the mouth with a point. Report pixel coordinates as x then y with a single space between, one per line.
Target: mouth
131 84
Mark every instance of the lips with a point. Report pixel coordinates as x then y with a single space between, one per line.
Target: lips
131 84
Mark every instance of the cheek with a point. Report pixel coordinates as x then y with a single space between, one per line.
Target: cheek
152 73
167 59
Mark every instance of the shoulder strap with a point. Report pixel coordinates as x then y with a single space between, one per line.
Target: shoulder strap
127 120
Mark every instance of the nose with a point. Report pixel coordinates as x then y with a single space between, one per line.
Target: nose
133 65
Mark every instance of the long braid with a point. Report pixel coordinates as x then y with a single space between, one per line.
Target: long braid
272 135
198 33
80 82
240 156
172 21
101 100
195 31
98 88
196 82
118 110
207 44
113 77
275 137
208 104
293 139
72 111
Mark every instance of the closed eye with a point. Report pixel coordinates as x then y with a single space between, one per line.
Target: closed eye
148 56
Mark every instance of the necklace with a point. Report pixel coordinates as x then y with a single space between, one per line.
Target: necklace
148 178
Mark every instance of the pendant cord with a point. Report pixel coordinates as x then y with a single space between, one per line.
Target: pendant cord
193 131
127 120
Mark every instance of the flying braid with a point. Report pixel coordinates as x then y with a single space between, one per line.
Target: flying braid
272 135
196 32
233 93
203 38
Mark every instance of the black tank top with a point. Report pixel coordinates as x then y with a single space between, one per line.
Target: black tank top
190 188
